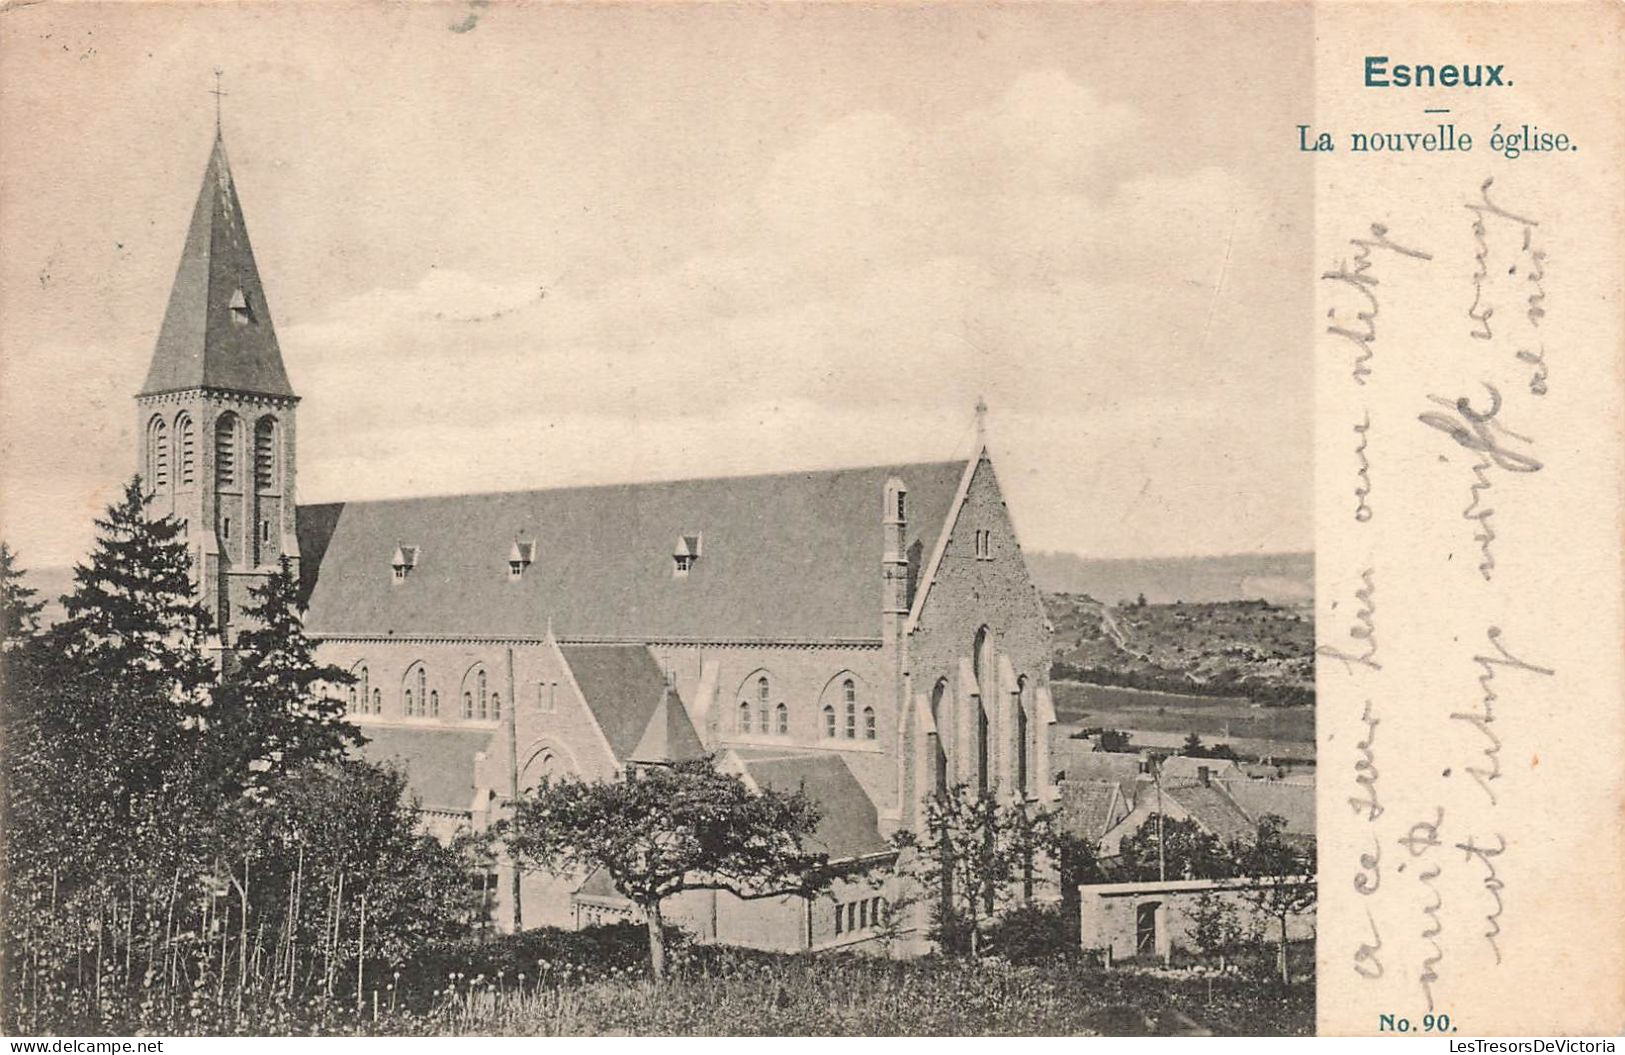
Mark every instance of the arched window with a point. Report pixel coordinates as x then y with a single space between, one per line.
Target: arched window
225 452
829 720
265 454
353 699
762 691
185 436
496 705
410 710
978 659
981 748
939 750
434 705
468 705
849 693
869 730
157 455
360 701
423 690
1021 734
781 720
483 700
377 701
744 716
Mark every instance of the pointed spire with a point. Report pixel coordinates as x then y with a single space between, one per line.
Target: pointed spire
217 330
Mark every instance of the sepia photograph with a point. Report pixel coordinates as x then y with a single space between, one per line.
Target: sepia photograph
657 519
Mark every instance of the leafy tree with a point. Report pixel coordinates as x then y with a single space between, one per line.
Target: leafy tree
274 712
663 829
975 852
1216 925
1278 870
1078 861
1113 740
1186 852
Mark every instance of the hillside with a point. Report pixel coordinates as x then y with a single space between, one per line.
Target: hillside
1254 648
1280 578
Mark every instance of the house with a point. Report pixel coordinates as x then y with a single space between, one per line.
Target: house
871 634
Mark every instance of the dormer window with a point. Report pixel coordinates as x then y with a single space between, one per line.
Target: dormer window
404 561
241 312
685 555
520 558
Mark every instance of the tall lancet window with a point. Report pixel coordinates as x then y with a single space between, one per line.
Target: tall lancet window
225 452
158 455
265 454
186 437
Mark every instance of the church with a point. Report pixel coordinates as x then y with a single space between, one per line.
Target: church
868 634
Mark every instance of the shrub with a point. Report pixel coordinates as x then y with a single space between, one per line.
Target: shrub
1033 934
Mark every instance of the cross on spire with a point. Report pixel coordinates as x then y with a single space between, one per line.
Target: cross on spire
981 421
218 94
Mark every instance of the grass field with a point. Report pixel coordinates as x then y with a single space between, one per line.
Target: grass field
1210 717
596 983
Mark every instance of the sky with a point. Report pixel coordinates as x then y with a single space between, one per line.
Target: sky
522 246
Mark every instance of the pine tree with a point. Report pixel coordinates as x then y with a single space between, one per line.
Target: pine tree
19 612
104 724
274 712
131 663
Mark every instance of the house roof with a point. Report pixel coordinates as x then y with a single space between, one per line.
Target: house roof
217 330
1088 807
1077 760
1293 802
789 556
1210 807
1185 769
628 695
848 826
438 761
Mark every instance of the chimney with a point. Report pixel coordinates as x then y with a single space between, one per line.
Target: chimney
1203 776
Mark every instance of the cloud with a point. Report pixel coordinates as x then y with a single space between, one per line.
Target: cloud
880 276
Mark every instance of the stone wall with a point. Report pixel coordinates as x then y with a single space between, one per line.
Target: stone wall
1130 918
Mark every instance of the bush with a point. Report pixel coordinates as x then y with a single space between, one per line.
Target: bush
545 956
1033 934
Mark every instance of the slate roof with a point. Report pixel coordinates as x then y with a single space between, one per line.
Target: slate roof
1177 769
1292 801
1077 760
438 761
848 826
789 556
669 736
624 688
205 341
1211 808
1087 807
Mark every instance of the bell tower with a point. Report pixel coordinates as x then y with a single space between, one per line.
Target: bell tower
216 416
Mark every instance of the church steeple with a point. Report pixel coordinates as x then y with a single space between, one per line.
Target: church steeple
217 416
217 331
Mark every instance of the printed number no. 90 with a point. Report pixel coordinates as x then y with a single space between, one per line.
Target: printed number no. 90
1429 1024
